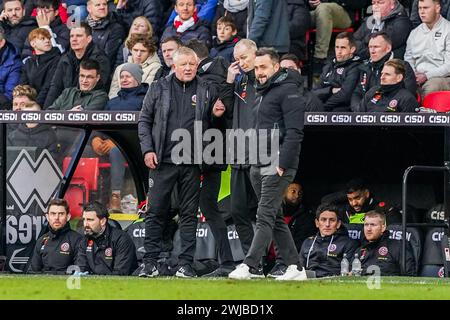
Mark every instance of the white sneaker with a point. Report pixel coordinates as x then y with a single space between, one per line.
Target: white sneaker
293 274
242 272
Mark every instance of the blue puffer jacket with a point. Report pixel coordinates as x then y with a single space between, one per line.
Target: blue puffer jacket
10 68
129 99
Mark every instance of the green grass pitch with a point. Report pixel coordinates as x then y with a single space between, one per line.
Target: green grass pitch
38 287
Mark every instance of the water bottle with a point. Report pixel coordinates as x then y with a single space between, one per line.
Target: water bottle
345 266
356 266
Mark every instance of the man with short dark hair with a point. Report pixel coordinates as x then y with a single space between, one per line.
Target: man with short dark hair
104 249
87 95
360 201
279 106
58 248
380 49
378 250
68 69
168 46
390 95
339 77
17 26
323 252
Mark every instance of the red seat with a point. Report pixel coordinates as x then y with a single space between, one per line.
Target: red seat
82 184
439 101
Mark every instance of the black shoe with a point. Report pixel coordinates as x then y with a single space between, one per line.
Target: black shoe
185 271
220 272
318 65
257 272
146 270
277 270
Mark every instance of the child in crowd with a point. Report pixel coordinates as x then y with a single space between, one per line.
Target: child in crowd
223 44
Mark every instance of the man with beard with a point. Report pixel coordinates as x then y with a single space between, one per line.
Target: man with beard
104 249
58 248
360 201
17 26
279 105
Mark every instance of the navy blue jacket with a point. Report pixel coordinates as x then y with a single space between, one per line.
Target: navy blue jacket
109 35
18 34
224 49
151 9
10 68
199 31
38 72
129 99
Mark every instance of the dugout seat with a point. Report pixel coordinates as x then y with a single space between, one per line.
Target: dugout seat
413 237
438 101
83 183
355 231
432 259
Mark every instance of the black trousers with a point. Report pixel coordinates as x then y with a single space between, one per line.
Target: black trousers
162 180
243 206
210 209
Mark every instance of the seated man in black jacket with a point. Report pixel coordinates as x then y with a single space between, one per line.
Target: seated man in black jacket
323 252
390 95
360 201
388 16
380 50
339 77
58 248
378 250
104 249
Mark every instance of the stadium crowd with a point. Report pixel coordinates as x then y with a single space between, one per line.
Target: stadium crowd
229 64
